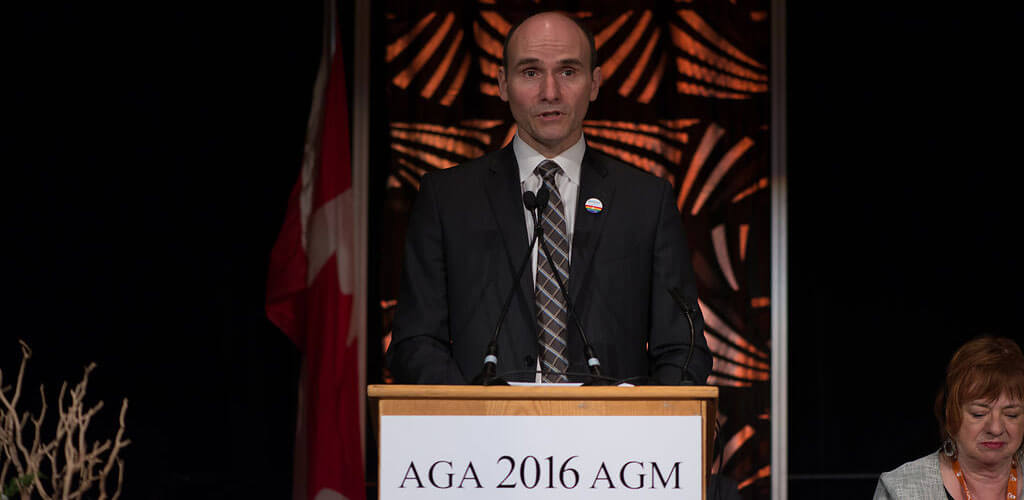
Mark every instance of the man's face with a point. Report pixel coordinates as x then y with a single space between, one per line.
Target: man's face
548 84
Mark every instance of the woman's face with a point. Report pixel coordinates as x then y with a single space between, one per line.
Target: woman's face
991 431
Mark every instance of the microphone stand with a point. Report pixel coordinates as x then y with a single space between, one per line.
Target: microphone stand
684 305
488 376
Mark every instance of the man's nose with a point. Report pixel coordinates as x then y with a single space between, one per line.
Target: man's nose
549 90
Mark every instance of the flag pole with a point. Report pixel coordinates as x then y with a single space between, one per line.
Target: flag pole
360 183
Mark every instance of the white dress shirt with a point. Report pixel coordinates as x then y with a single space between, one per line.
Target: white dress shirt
568 183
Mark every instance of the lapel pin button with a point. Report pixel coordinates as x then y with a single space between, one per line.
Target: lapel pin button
594 205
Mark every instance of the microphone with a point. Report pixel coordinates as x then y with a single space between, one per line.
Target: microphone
688 309
488 375
593 364
542 202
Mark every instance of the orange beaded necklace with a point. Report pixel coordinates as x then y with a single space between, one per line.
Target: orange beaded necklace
1011 484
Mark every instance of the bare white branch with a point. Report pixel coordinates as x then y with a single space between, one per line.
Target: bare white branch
72 467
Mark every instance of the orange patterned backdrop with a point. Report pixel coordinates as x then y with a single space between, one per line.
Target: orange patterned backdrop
685 97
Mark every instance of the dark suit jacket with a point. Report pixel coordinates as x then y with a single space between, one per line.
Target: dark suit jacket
467 235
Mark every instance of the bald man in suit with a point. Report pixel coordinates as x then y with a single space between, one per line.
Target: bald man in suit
616 234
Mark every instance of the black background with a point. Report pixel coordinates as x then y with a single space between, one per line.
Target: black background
151 153
150 150
903 223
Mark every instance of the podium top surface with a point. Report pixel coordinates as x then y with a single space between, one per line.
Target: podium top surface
394 391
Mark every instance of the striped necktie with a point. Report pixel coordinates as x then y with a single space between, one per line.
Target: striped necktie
551 311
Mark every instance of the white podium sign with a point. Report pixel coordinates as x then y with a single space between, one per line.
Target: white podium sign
540 457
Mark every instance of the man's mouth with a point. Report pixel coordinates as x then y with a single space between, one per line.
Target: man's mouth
550 115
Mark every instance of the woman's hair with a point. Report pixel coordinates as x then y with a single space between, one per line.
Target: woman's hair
983 368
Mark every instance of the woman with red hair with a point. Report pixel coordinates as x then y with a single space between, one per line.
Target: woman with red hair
981 414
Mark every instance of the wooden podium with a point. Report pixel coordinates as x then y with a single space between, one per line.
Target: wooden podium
447 400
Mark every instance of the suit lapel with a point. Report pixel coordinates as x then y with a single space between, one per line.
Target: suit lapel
588 226
505 196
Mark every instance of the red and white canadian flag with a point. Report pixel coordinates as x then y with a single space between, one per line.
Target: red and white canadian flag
311 293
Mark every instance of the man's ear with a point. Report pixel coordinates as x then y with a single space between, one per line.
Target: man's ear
502 83
595 83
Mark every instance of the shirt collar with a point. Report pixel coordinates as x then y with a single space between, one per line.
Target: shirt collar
570 160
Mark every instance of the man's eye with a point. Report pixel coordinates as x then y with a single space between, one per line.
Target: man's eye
977 415
530 73
569 72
